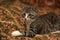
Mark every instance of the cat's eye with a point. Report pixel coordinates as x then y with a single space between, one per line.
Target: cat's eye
23 15
31 15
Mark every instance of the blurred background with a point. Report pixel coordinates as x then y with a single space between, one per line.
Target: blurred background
11 17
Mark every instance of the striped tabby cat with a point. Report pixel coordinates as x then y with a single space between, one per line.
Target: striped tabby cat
44 24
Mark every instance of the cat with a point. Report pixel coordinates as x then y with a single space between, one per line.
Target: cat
43 24
30 14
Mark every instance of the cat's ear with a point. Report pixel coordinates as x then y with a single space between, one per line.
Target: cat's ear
35 10
26 9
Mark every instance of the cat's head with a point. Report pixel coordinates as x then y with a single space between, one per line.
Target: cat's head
30 13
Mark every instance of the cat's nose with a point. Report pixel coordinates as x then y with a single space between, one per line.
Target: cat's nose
26 17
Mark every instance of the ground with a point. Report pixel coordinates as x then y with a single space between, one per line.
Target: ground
11 19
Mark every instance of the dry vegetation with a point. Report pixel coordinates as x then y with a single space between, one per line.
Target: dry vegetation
11 19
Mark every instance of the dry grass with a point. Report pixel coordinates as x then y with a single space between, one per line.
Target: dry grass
11 19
